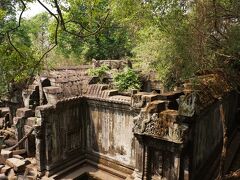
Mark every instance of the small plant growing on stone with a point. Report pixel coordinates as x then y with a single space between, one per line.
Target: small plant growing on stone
126 80
99 72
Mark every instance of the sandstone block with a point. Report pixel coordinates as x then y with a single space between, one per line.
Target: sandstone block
11 174
170 95
3 176
5 169
18 157
17 164
112 92
4 111
19 151
24 112
2 120
26 161
6 154
52 90
31 121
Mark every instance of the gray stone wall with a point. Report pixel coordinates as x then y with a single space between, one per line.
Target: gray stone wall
79 129
208 132
110 126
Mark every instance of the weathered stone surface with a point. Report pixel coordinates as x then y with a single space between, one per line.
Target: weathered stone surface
170 95
18 157
150 97
31 121
10 142
97 126
5 169
27 129
24 112
53 90
122 99
2 122
19 151
26 161
4 111
17 164
16 120
3 176
11 174
6 154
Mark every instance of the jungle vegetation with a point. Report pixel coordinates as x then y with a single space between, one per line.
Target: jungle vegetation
175 38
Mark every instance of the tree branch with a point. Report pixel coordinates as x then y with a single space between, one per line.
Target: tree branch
63 24
15 28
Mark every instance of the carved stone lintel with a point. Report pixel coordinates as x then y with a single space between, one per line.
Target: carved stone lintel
177 132
163 127
137 101
187 105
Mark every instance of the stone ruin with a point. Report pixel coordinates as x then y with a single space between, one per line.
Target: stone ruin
84 128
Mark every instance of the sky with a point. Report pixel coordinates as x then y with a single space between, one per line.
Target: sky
33 9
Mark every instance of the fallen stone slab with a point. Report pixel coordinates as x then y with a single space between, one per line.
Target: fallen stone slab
5 169
24 112
17 164
10 142
18 157
4 111
6 154
26 161
19 151
11 174
1 166
2 160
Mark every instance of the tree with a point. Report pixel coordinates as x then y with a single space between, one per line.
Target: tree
111 42
17 58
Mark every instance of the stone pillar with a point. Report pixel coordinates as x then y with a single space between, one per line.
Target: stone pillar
19 121
39 141
140 162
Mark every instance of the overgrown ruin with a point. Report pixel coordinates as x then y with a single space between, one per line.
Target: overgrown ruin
87 128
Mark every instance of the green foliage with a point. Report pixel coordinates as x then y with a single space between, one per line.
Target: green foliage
111 42
17 58
175 38
100 72
153 51
126 80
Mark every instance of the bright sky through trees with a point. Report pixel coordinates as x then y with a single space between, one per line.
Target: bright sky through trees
34 9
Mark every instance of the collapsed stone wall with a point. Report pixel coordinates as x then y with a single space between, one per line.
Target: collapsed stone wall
136 135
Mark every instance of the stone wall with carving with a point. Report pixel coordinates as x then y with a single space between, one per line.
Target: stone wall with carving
171 135
78 129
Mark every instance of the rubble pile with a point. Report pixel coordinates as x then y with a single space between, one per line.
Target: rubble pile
16 165
15 161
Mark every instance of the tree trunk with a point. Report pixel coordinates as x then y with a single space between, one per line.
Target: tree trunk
224 146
